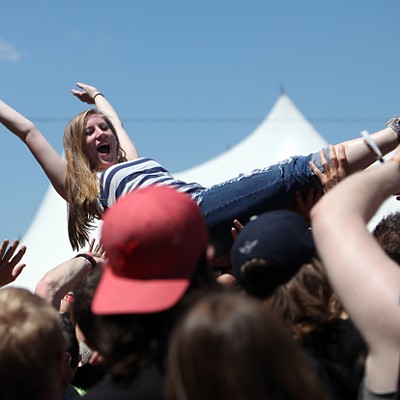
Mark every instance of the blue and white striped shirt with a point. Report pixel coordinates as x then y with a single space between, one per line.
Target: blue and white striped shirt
120 179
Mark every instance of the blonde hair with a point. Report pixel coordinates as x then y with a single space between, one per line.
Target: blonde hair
31 346
81 183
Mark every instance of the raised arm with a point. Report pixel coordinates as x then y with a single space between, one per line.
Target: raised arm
52 163
364 277
91 95
57 282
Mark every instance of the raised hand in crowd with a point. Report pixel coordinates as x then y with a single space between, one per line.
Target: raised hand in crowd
367 283
10 268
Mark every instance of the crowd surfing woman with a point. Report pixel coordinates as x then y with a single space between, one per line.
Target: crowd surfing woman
102 164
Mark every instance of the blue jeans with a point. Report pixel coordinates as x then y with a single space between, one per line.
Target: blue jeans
262 190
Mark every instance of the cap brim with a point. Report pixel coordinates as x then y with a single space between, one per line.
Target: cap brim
116 295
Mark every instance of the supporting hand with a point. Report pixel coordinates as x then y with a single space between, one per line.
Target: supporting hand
334 171
238 226
304 206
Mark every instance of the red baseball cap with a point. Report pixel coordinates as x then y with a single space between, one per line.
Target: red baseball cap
153 239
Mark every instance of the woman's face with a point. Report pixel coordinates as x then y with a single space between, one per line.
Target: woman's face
101 143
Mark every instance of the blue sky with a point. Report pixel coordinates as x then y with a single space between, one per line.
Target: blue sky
190 79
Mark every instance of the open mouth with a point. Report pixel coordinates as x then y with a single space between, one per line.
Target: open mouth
104 149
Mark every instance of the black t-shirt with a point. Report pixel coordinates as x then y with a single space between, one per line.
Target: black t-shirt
147 385
338 352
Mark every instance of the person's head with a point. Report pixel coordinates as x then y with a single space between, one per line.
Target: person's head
229 346
156 243
32 347
269 250
154 238
306 303
90 144
387 234
91 139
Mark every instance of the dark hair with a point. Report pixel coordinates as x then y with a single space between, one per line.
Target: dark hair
230 346
256 278
387 234
128 342
83 295
307 302
72 341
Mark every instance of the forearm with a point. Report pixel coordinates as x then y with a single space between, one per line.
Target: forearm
360 156
62 279
365 279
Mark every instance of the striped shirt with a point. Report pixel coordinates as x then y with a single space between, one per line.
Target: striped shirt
120 179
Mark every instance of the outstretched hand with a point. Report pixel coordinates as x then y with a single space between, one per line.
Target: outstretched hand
9 267
86 94
334 171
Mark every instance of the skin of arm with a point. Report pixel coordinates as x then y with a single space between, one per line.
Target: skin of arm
51 162
359 155
365 279
57 282
88 95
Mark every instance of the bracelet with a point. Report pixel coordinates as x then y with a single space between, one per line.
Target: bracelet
394 123
92 262
98 94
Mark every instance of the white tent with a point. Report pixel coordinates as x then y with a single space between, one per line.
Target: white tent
283 133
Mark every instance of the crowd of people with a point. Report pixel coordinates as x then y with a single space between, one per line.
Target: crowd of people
266 286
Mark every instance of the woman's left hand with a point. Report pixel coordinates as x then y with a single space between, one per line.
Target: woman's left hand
87 94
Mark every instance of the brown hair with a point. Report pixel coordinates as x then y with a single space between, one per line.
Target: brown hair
307 302
387 234
230 346
81 181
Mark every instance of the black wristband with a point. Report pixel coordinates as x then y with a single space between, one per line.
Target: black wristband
98 94
88 257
